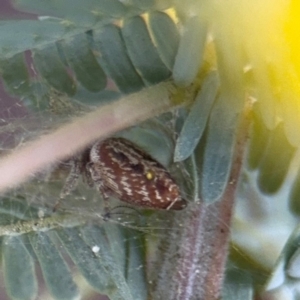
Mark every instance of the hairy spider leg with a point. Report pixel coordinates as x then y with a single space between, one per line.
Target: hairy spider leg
103 190
89 179
70 183
72 179
84 167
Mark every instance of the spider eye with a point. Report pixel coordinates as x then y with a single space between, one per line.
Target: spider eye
150 175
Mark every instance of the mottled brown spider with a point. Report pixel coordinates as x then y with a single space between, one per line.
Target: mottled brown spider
117 167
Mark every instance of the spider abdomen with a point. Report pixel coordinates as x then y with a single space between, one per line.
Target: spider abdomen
120 168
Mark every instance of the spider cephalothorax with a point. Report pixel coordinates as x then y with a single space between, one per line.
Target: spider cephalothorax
119 168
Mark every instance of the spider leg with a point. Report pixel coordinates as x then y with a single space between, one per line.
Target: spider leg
87 175
106 209
72 179
96 178
83 167
70 183
104 191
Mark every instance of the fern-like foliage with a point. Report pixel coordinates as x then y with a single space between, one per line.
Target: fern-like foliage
77 56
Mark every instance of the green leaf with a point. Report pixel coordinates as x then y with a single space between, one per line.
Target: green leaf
258 142
275 162
264 91
82 60
293 267
294 196
114 59
15 75
166 36
19 36
51 68
195 122
151 138
286 271
95 236
142 52
190 53
189 184
55 270
84 12
143 4
238 285
231 59
136 276
19 272
89 264
218 149
290 114
117 243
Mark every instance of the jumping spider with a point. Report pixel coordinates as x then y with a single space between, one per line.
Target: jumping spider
117 167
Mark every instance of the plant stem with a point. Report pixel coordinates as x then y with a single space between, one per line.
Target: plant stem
200 239
62 143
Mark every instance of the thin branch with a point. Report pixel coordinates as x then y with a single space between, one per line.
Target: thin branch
216 239
35 156
202 235
42 224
